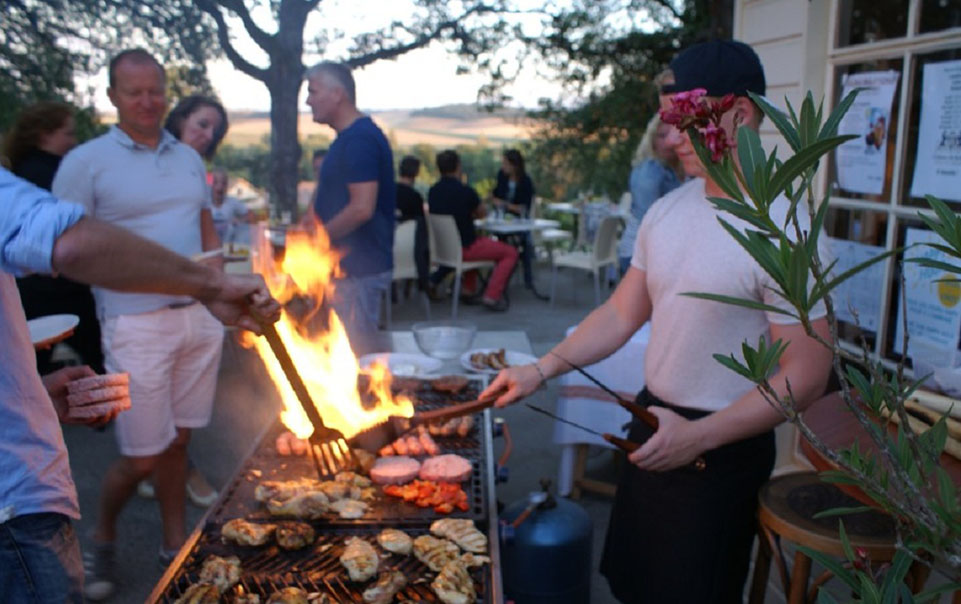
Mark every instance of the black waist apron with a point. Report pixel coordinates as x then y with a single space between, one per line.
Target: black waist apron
685 536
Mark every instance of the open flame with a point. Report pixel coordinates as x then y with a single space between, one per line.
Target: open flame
301 280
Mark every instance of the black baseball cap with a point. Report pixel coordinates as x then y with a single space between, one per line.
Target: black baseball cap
720 67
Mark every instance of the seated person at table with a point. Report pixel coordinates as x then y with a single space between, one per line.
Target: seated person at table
410 206
449 196
514 194
230 215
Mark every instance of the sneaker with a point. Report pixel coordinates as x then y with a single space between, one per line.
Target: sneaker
470 299
495 305
98 566
145 489
199 491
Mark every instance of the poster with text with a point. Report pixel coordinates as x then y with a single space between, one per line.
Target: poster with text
862 161
857 300
937 170
934 308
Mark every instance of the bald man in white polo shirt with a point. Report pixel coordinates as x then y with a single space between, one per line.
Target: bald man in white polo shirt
139 177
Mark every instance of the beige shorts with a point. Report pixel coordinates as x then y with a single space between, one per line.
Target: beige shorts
172 356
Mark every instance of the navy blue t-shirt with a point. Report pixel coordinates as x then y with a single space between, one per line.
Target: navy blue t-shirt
360 153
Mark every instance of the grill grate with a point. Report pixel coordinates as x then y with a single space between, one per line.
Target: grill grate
315 570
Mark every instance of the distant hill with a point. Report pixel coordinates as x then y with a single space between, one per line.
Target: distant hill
448 125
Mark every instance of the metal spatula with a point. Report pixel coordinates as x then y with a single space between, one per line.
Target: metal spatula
328 447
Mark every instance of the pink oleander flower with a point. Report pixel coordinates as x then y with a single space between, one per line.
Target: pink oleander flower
715 139
688 102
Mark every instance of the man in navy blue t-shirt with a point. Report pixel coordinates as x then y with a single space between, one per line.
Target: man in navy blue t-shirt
355 201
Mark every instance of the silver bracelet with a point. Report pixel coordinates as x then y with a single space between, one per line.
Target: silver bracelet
541 373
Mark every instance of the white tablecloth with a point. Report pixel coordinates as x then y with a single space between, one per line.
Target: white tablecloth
582 402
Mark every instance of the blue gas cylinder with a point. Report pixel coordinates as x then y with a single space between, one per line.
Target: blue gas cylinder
546 550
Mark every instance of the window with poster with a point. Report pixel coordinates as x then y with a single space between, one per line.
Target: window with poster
906 58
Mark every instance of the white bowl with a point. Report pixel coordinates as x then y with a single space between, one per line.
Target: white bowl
444 339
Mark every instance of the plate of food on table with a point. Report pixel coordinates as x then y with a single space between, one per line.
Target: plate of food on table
492 360
402 364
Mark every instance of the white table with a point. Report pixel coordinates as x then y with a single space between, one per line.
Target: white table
582 402
515 227
563 207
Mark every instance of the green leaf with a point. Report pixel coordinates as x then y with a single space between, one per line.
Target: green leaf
801 161
832 565
819 292
739 302
834 120
842 511
779 119
753 161
895 574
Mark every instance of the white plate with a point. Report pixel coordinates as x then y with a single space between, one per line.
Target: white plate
511 356
51 329
401 363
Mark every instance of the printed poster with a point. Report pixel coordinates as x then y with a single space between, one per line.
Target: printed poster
860 295
934 309
862 161
937 170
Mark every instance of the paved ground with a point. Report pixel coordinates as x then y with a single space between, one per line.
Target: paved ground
245 403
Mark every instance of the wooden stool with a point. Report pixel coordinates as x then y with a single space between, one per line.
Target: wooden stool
786 506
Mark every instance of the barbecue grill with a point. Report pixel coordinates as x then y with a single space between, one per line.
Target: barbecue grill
268 568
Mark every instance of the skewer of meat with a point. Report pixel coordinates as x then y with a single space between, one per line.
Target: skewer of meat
465 425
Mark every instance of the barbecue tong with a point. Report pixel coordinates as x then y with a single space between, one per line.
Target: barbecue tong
633 408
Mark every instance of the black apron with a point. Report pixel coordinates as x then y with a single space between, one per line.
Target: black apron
685 536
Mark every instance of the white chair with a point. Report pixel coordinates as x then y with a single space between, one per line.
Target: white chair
548 239
446 250
603 253
405 266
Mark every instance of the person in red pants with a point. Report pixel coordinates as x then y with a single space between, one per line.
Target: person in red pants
450 196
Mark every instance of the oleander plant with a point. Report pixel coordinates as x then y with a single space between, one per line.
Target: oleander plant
904 478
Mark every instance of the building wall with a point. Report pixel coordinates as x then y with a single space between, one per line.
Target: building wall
790 37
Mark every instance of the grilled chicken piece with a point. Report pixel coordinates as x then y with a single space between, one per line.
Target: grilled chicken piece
453 585
360 559
200 593
281 490
473 560
294 535
396 541
388 583
353 479
434 552
246 599
349 508
335 490
309 506
242 532
222 572
288 595
462 532
365 459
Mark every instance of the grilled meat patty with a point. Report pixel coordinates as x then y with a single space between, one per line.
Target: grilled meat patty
453 585
294 535
446 468
360 559
434 552
388 583
242 532
461 531
396 541
221 572
394 470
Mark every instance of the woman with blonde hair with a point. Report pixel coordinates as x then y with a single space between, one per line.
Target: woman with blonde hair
654 173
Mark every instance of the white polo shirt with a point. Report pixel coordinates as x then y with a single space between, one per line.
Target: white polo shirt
157 193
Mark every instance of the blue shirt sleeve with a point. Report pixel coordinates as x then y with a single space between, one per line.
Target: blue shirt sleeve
31 220
362 154
646 185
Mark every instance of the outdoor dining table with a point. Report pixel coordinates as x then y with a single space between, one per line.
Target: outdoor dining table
515 228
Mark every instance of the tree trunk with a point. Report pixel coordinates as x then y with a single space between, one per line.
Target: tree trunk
284 144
